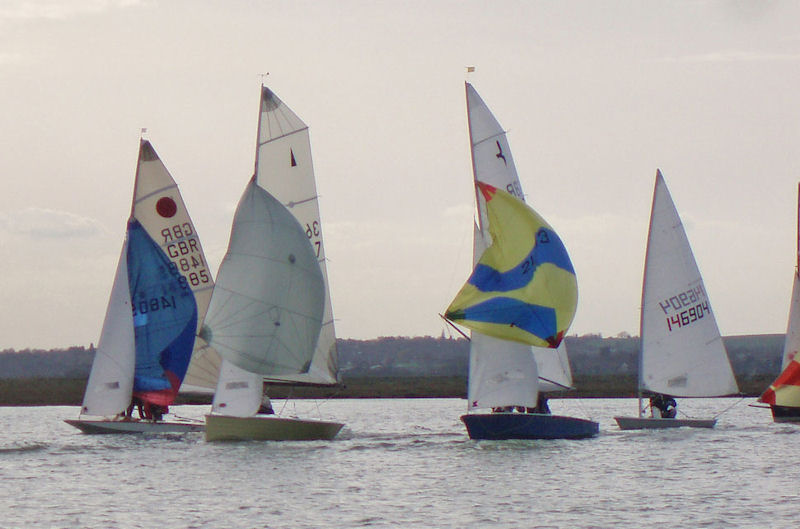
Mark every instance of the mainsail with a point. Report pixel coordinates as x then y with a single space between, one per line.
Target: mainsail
501 371
284 168
785 390
161 290
682 353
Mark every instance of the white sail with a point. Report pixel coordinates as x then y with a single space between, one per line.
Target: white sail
504 377
238 392
553 367
159 208
108 391
682 353
284 168
493 164
266 311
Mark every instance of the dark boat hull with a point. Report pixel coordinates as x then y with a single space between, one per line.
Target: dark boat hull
654 423
502 426
785 413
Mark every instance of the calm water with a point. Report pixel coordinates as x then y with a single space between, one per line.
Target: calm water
404 463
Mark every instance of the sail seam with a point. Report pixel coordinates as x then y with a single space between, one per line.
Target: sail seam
281 136
503 133
157 191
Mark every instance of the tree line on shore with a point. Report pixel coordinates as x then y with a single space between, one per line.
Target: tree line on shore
397 356
402 367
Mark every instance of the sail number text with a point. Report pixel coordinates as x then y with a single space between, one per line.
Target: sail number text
515 189
685 308
684 318
313 233
153 304
183 249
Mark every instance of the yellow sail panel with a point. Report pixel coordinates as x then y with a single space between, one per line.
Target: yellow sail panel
524 286
785 391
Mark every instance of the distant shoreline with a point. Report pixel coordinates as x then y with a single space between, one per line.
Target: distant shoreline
69 391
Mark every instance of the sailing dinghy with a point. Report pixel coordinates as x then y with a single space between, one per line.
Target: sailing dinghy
681 353
518 302
783 395
270 316
161 291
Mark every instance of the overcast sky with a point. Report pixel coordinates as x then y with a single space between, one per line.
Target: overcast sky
595 96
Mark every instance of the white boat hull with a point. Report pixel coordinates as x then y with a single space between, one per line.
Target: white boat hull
268 428
127 427
654 423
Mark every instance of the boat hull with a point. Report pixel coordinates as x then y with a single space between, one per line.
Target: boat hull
129 427
268 428
655 423
785 414
502 426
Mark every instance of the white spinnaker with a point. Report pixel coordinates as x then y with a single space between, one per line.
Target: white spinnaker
238 392
682 351
493 163
159 208
266 311
108 391
284 168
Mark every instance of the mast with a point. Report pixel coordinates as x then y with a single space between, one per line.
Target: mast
797 262
644 286
472 161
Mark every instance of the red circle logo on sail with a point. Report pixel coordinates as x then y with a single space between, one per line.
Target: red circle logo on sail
166 207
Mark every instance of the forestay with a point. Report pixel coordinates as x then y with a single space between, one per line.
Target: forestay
682 352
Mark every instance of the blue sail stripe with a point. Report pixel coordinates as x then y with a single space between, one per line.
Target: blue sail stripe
538 320
548 249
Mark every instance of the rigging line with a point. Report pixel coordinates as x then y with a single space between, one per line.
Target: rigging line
157 191
453 325
292 204
283 135
729 407
556 383
489 138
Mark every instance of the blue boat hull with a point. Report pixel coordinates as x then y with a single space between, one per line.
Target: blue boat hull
501 426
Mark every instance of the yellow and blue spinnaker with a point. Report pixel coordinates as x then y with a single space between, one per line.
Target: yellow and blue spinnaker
524 286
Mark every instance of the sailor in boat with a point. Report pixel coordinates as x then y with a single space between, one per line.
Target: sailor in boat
663 406
266 406
541 404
